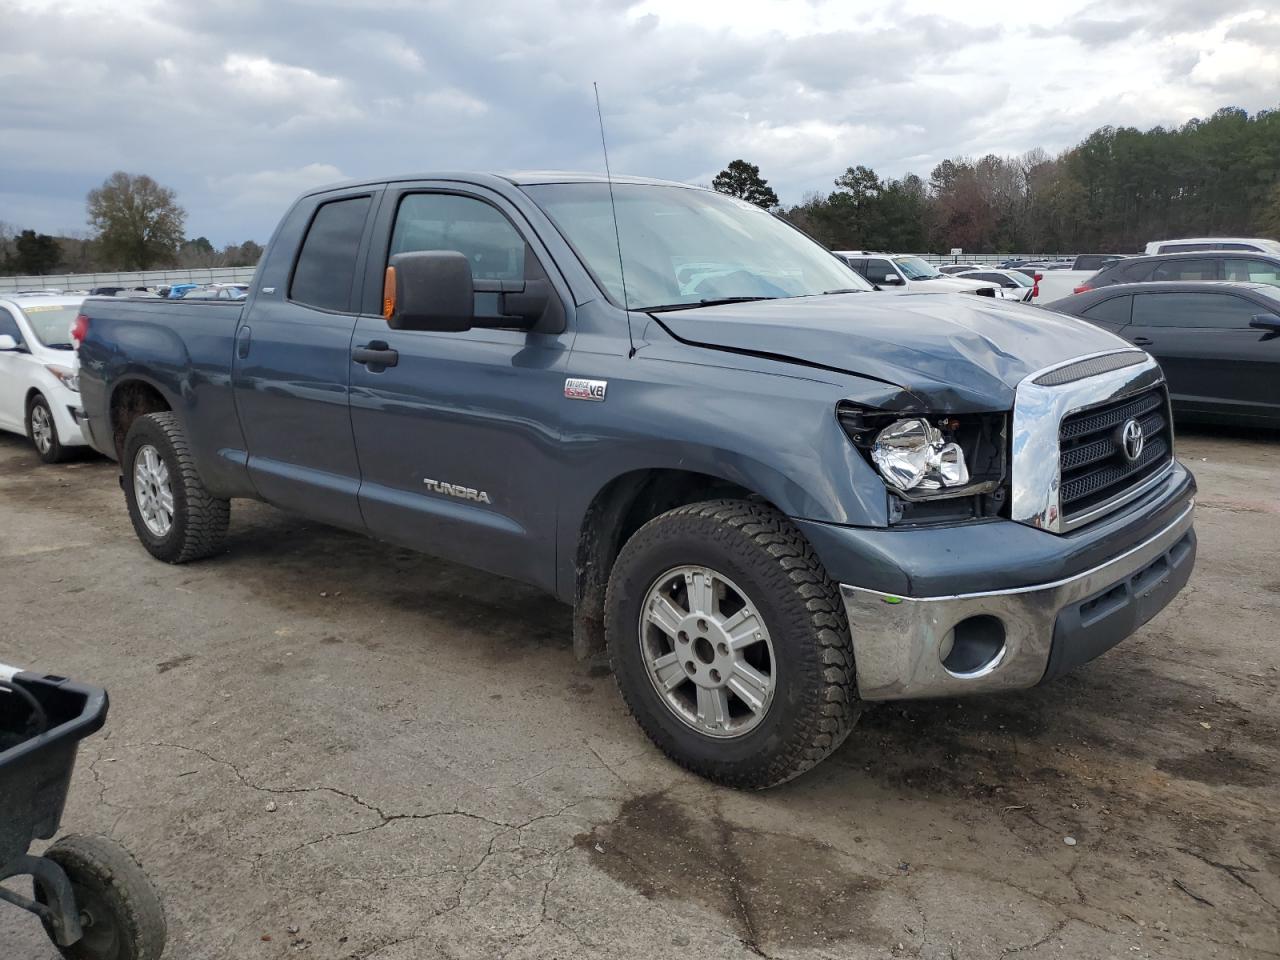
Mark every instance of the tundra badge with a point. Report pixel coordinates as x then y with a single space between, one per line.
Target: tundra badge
576 389
457 490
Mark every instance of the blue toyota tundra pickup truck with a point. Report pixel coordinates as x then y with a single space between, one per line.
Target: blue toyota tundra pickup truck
770 492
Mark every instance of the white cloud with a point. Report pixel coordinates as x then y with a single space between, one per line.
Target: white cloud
240 104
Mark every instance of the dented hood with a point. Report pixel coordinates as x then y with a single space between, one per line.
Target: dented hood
953 353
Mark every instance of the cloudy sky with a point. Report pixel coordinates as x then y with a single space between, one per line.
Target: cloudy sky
239 104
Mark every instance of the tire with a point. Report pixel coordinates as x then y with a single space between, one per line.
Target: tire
753 552
196 520
120 912
42 431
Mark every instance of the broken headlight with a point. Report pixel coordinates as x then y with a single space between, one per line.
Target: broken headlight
935 467
913 457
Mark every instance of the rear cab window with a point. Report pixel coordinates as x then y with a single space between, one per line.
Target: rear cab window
326 265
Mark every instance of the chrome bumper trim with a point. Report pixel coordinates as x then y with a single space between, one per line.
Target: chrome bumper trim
897 640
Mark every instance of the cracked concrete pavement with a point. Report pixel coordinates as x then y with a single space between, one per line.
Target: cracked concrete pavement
323 745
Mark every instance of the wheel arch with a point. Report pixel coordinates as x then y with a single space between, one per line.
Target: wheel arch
132 397
620 508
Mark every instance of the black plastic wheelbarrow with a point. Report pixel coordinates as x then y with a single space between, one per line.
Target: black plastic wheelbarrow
92 897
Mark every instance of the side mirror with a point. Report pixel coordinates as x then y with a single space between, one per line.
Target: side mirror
7 344
893 280
1263 321
429 290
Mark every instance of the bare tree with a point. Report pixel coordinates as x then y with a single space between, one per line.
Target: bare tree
138 222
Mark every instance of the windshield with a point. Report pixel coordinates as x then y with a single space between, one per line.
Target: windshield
683 247
52 324
916 269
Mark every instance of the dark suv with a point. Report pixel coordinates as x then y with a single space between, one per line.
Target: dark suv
1200 266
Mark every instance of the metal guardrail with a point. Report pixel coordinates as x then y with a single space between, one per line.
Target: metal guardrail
157 278
140 278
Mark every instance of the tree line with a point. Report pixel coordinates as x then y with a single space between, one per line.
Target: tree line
1112 193
137 224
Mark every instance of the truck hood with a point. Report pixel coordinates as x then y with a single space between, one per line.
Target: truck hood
952 354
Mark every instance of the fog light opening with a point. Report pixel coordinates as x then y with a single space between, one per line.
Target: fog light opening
973 647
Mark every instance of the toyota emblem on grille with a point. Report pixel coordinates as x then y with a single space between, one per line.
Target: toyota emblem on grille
1132 440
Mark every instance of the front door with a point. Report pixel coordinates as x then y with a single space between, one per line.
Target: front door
459 440
292 363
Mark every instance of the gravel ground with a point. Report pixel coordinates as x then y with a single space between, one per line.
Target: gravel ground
319 743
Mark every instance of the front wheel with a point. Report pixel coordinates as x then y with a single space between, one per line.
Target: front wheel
730 643
120 914
43 432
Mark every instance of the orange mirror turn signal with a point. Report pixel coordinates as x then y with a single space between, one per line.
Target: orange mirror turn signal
389 294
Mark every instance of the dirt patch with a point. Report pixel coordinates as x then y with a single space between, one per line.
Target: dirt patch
779 890
164 666
1217 768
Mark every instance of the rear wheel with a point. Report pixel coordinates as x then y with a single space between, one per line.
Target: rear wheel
43 432
730 644
173 513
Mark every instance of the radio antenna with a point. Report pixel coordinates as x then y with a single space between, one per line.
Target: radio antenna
617 235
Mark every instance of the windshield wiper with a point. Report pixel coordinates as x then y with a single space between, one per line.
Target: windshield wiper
828 293
59 346
714 302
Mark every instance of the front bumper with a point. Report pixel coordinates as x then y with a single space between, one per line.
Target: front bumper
1012 639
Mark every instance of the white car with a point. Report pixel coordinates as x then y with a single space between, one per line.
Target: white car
897 273
1010 284
1194 244
39 372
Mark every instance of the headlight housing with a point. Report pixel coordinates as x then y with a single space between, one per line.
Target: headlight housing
913 456
935 467
68 377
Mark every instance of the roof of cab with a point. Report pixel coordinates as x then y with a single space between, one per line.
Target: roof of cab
518 178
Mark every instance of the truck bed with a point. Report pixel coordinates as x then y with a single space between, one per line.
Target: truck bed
182 348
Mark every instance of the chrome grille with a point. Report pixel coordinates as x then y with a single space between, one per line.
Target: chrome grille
1094 466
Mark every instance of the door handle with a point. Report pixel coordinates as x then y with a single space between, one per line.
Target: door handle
243 339
376 353
1142 341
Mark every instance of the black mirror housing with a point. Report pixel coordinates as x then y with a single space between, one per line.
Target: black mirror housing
434 291
1266 321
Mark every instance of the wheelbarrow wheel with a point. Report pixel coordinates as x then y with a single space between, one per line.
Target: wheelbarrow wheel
119 910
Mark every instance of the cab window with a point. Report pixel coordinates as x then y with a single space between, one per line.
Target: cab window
477 230
880 271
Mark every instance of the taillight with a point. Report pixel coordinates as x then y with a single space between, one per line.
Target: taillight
1083 288
1035 285
79 329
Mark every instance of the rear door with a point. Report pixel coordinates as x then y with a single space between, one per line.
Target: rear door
459 440
1215 362
292 365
